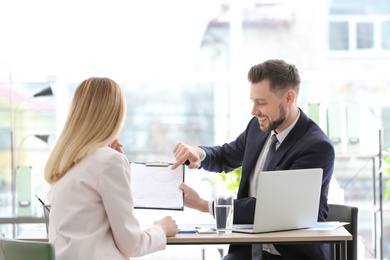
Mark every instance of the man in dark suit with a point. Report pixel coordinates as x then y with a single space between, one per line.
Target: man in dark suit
301 144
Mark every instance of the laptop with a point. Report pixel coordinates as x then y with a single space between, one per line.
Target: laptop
286 200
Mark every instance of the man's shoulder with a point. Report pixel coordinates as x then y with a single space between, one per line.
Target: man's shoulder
317 130
311 127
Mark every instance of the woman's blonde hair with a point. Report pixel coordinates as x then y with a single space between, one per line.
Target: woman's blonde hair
95 119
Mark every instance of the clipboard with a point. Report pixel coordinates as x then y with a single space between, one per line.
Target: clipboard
155 186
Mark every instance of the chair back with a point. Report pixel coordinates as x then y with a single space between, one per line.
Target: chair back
12 249
345 213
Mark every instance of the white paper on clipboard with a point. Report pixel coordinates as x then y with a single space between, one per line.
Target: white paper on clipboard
155 186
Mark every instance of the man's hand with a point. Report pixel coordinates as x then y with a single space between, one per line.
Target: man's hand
184 152
193 200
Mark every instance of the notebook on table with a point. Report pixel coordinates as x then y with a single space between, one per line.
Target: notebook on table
286 200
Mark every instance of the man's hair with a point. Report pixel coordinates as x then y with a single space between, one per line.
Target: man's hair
281 75
95 119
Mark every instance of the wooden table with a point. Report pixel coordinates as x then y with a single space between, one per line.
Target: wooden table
337 237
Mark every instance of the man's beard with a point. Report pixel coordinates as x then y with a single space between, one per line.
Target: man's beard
278 122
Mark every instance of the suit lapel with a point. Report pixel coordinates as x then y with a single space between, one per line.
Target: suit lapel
255 143
255 148
295 134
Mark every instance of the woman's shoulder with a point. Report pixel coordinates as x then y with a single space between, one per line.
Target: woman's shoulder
108 153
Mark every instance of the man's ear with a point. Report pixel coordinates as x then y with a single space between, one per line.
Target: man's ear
290 96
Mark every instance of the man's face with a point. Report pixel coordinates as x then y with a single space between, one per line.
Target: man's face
269 108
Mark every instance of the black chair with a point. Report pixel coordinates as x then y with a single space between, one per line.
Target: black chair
344 213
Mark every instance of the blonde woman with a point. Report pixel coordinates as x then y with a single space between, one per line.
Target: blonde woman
92 215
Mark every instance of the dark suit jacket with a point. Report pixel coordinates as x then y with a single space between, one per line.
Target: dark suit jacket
306 146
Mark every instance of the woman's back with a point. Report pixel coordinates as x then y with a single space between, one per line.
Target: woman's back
92 214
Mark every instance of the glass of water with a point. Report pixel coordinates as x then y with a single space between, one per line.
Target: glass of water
223 212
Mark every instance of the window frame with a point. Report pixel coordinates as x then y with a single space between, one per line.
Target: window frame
353 50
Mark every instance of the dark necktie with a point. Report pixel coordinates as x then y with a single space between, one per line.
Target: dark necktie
271 152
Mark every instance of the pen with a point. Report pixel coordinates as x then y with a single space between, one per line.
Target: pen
47 208
187 231
40 200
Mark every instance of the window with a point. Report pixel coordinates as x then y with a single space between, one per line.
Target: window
385 35
359 26
338 36
364 35
348 33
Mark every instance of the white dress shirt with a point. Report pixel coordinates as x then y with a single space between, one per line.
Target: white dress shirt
253 183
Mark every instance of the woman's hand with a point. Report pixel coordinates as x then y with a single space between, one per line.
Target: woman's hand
116 146
168 225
